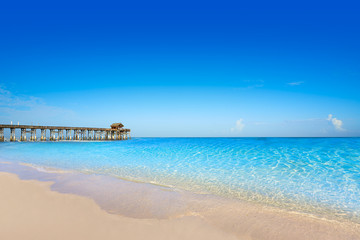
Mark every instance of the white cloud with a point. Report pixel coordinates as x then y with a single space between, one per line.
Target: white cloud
239 126
295 83
336 122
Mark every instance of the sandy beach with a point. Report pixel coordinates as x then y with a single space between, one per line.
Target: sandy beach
30 210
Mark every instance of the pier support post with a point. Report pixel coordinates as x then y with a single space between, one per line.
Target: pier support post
84 135
76 134
33 134
89 134
43 135
68 137
12 135
23 134
60 134
52 137
2 138
106 135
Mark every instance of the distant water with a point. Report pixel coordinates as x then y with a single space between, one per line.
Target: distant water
311 175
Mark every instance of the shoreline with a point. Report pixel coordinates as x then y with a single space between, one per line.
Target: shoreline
317 213
146 202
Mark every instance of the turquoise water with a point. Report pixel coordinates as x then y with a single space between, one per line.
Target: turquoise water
312 175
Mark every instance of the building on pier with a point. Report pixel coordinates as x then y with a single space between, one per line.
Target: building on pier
56 133
116 126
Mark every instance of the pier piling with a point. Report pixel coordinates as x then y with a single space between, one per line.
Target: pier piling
32 134
43 135
2 138
12 135
23 134
68 134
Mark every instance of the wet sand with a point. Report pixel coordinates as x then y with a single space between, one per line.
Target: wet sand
30 210
79 206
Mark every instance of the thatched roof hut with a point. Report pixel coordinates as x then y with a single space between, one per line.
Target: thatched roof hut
116 125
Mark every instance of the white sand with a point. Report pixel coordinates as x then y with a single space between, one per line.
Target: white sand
30 210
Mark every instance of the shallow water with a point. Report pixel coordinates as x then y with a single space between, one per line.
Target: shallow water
246 220
319 176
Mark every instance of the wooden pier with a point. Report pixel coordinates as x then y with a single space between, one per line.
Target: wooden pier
56 133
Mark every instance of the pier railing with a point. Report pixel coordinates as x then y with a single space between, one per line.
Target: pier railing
56 133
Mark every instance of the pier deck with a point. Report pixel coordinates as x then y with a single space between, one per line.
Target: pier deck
56 133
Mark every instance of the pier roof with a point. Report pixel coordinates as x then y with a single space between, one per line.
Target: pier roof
117 125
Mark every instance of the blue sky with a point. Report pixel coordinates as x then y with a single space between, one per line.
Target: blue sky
189 68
